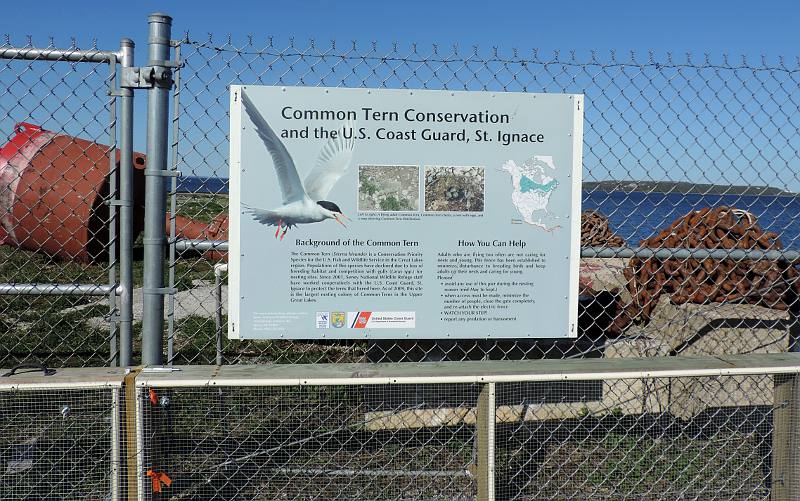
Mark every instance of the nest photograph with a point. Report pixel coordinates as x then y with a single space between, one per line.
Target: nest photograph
454 189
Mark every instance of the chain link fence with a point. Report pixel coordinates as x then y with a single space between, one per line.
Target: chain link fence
689 232
58 217
689 242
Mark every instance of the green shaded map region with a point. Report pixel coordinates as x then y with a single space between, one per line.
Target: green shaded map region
533 183
526 185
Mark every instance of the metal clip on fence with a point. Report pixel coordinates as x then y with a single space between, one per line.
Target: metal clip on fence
147 77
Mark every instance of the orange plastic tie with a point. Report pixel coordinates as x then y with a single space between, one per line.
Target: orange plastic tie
159 478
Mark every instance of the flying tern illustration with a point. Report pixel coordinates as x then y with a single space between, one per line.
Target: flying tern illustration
303 202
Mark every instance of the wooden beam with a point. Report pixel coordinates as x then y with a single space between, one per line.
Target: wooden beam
485 426
479 372
786 438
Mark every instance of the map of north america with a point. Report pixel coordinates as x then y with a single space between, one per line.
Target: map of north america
532 189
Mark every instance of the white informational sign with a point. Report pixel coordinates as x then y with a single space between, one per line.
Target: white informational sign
398 214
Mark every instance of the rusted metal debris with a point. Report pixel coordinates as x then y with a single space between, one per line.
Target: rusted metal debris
764 283
189 228
54 190
596 231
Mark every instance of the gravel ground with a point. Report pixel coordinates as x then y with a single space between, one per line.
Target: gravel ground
390 188
198 301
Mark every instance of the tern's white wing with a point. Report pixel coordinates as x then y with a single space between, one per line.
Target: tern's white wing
334 158
291 187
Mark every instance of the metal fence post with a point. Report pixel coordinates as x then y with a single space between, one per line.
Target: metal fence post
126 212
113 214
155 198
219 270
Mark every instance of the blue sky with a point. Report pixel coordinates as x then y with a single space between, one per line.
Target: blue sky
643 122
734 27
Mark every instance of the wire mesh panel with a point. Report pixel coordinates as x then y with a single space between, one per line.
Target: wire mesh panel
57 444
57 222
722 428
324 442
681 438
680 153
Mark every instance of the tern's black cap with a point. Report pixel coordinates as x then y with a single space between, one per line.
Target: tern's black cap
330 206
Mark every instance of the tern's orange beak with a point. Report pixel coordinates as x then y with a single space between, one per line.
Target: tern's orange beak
336 216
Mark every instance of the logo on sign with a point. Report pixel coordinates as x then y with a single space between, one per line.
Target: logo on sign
338 319
323 320
361 319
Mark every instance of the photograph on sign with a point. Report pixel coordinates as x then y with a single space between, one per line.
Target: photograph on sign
397 214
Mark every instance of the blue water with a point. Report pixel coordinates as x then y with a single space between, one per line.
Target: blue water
193 184
636 216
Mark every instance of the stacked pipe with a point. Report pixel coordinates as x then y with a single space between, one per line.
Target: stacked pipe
771 284
596 231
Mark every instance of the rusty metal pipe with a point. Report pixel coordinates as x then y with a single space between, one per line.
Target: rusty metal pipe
211 238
